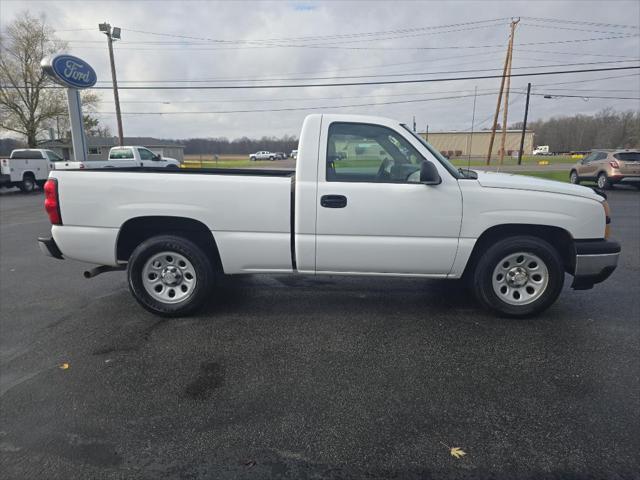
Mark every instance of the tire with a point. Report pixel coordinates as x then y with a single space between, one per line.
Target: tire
28 184
252 159
603 181
271 158
536 289
172 167
574 178
179 266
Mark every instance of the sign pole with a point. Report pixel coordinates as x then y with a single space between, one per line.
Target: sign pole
75 74
78 138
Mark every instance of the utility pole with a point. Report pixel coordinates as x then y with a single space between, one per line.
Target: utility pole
473 121
114 34
502 82
505 109
524 124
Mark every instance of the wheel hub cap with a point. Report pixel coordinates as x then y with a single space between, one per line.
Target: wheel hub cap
169 277
520 278
517 277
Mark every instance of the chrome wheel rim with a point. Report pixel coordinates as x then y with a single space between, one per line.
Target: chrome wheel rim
169 277
520 278
574 177
602 181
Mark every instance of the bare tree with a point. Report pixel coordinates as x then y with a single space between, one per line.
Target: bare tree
27 104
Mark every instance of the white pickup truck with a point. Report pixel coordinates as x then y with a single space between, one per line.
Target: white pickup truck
123 157
262 155
395 207
27 167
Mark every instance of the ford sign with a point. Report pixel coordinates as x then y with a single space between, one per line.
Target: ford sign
69 71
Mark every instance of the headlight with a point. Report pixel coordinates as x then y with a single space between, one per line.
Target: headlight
607 217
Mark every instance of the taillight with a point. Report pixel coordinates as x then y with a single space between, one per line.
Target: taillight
607 219
52 202
5 162
614 164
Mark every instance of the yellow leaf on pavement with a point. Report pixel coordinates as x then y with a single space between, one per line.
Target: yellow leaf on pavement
457 452
64 366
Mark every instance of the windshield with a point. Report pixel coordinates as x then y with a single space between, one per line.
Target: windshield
445 163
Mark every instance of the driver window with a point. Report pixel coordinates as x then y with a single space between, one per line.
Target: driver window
358 152
146 154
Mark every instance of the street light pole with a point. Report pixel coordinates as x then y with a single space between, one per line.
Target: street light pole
111 35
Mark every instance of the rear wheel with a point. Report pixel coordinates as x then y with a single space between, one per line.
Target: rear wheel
603 181
170 276
28 184
271 158
573 177
519 276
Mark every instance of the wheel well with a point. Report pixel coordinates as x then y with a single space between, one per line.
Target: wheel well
136 230
559 238
28 174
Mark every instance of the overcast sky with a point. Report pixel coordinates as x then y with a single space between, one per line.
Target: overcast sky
262 40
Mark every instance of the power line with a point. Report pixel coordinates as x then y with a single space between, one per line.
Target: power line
263 100
207 41
404 48
383 75
291 109
318 37
586 96
326 107
379 82
349 84
611 77
581 22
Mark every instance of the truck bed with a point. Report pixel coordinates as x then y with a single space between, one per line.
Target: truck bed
247 211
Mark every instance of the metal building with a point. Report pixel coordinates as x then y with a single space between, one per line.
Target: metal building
458 144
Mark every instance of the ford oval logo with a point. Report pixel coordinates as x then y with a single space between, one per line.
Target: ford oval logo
70 71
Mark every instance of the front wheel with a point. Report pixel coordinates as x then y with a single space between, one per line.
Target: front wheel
519 276
170 276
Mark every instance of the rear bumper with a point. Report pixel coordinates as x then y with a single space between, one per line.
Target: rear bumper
5 180
595 262
49 247
625 177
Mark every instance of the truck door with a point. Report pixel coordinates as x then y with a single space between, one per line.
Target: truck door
372 216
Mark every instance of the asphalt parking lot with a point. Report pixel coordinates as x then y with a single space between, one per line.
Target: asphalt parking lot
296 377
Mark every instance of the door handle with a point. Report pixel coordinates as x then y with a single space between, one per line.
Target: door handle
333 201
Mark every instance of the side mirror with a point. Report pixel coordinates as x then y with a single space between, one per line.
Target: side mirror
429 174
157 157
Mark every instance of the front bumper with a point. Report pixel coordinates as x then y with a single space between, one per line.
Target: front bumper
49 247
595 262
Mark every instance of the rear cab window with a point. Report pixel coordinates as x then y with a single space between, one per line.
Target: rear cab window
121 154
26 155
